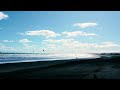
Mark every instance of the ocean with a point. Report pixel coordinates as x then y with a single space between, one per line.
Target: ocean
59 66
28 57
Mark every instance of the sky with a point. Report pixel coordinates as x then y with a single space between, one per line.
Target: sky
60 31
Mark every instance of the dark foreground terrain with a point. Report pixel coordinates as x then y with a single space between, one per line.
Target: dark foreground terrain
101 68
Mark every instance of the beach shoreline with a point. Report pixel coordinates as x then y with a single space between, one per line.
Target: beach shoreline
99 68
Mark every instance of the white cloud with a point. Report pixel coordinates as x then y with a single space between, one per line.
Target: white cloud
26 45
46 33
72 45
85 25
107 45
7 41
58 41
78 33
3 16
5 48
24 48
56 46
24 41
91 45
108 42
20 33
52 46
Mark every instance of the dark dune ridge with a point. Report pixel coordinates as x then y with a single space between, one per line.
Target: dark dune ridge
100 68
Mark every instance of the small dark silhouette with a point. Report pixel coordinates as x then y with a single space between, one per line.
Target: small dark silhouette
43 50
95 77
76 56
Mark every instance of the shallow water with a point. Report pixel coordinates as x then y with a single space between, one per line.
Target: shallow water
15 58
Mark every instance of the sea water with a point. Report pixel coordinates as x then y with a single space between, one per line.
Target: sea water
17 57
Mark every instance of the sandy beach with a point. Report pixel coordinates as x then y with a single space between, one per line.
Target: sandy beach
100 68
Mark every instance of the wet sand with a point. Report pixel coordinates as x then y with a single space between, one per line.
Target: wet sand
63 69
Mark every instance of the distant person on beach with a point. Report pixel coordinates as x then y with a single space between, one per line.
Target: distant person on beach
75 56
95 77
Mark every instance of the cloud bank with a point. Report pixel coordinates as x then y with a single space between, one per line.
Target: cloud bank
24 41
3 16
45 33
85 25
78 33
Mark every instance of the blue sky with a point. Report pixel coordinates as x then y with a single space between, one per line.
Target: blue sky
60 31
